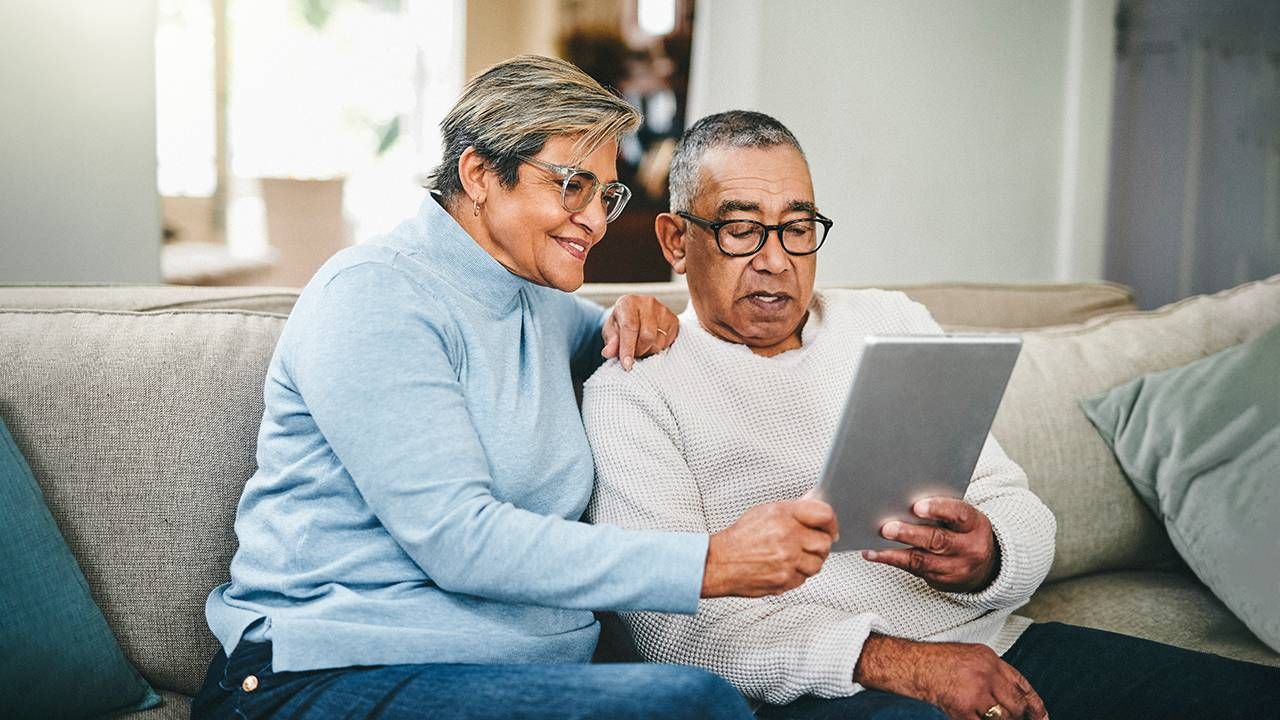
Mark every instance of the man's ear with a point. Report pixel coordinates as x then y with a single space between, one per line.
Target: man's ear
474 173
670 230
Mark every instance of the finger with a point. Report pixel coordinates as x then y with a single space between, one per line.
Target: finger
628 331
1032 703
815 514
815 542
916 562
646 339
936 540
956 514
671 328
610 341
810 565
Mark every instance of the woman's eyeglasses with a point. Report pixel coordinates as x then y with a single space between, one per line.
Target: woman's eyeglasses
578 188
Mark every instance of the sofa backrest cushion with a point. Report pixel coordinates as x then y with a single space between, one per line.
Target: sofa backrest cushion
146 298
1102 524
954 305
141 430
959 306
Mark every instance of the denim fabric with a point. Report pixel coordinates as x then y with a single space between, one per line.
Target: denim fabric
463 692
1086 674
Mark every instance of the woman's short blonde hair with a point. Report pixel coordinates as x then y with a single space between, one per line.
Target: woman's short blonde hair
514 107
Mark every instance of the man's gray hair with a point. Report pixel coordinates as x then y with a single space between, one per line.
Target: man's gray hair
734 128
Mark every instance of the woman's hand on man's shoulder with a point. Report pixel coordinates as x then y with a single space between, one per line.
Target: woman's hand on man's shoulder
638 326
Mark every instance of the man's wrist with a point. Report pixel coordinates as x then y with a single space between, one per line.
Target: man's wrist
885 664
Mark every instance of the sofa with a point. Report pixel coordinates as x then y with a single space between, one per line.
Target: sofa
137 408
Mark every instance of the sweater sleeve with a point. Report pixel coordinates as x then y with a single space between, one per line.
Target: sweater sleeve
1024 526
773 649
374 361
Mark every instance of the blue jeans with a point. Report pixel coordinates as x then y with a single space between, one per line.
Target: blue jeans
465 692
1084 673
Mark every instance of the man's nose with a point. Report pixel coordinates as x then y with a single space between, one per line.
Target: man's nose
772 258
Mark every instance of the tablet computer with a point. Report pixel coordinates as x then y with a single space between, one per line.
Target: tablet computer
914 423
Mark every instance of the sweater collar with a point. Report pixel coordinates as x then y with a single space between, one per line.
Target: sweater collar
456 258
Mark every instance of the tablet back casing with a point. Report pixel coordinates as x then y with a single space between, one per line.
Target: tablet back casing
914 423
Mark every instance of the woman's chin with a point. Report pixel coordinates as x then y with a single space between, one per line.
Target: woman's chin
566 279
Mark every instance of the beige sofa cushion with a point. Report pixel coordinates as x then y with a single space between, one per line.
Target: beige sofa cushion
143 298
1168 607
954 305
1102 525
141 430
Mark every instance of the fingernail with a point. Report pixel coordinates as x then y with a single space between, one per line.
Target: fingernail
922 507
870 554
627 362
891 529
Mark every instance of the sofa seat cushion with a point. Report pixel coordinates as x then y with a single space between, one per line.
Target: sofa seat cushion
176 706
1102 524
141 429
1171 607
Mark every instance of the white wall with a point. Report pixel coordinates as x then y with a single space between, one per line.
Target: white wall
78 199
942 135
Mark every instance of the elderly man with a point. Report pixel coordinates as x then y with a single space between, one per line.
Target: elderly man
741 410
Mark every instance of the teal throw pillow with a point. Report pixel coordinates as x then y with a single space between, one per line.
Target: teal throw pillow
1201 445
58 657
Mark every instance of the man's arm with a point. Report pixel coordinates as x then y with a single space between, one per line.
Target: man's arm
773 649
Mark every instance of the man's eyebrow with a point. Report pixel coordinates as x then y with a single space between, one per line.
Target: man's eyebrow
802 206
728 206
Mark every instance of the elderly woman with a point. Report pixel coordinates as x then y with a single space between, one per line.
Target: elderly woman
410 544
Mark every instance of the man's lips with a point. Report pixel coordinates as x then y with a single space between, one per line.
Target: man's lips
767 301
767 296
573 246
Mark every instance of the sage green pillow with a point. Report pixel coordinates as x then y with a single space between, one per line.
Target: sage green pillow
1201 445
58 657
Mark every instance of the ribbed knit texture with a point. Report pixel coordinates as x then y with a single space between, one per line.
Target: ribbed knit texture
694 437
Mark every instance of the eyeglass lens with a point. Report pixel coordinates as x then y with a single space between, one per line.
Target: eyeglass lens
745 236
580 189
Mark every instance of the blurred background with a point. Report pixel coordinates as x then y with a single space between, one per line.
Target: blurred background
244 141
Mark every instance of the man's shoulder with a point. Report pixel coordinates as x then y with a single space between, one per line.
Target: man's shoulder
655 376
858 307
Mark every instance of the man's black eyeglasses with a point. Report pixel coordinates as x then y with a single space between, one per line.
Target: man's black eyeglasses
738 238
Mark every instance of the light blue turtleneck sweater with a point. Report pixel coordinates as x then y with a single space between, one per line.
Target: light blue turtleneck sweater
421 470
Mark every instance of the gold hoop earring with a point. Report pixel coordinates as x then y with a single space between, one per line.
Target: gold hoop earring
475 208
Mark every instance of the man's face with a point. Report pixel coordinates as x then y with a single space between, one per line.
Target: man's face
760 300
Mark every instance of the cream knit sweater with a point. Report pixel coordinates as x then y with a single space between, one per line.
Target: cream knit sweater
693 437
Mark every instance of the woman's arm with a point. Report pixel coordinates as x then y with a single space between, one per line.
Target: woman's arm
374 363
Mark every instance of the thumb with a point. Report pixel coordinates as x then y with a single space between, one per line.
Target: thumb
815 514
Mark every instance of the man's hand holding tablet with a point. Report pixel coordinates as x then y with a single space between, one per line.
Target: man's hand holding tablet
959 554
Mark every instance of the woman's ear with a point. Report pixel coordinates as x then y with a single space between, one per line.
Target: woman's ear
670 230
474 173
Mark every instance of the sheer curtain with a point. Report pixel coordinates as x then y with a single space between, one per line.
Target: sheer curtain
1195 185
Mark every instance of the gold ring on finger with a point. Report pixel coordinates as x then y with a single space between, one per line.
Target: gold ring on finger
662 332
995 712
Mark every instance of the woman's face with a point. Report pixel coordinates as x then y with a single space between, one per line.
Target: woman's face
532 234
